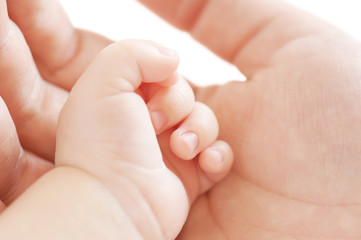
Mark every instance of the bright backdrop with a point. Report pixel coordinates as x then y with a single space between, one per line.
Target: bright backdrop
119 19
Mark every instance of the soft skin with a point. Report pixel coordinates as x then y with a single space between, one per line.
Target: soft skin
41 61
111 174
294 125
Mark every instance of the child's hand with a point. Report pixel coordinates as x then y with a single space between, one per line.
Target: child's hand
106 130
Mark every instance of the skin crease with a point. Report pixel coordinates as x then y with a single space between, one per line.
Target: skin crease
20 168
105 139
60 61
294 126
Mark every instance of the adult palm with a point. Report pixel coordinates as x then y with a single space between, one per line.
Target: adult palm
294 125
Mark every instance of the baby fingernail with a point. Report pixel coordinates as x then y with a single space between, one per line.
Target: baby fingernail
191 140
217 157
159 120
168 52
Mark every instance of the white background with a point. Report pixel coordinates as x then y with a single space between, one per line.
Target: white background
119 19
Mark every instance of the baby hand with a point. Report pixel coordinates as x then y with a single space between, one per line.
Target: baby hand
108 128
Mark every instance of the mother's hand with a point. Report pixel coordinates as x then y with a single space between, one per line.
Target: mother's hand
294 125
36 73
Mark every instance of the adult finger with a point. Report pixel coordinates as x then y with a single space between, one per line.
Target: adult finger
247 33
18 168
34 104
61 52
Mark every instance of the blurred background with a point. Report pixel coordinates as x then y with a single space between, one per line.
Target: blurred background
120 19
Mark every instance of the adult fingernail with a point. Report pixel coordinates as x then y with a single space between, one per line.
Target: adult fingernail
191 141
168 52
159 120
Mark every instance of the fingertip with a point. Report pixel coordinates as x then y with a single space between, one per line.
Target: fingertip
168 52
172 80
184 144
212 161
169 60
202 124
216 161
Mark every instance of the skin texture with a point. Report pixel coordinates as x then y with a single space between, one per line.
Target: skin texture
294 125
28 68
170 108
107 144
105 129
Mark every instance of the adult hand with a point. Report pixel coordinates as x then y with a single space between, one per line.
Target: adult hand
294 125
36 73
